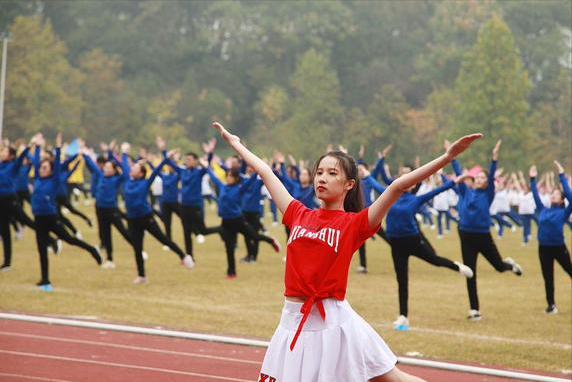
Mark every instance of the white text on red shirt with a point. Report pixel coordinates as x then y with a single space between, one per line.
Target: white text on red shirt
329 236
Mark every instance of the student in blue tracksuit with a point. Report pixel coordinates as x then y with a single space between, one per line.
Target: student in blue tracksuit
251 199
475 225
46 182
404 237
233 221
302 188
368 185
22 182
109 182
63 198
95 178
551 245
140 215
291 179
169 199
10 208
379 171
192 204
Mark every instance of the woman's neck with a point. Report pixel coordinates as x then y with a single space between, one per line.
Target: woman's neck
334 205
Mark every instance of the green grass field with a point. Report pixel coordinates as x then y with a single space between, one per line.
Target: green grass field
514 331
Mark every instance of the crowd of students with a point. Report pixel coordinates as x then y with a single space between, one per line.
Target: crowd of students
168 184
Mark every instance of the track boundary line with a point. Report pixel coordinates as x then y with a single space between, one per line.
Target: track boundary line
129 347
123 365
22 376
258 343
228 308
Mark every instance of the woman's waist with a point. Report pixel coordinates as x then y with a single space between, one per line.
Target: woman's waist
337 312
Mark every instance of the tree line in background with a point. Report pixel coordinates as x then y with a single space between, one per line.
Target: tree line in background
296 75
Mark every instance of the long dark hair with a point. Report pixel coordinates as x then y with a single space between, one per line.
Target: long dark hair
354 198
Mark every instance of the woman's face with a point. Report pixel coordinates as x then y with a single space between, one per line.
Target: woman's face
305 177
481 180
108 169
5 154
330 182
556 197
230 179
190 161
135 171
45 169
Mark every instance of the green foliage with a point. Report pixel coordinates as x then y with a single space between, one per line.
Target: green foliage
552 120
453 28
102 93
493 92
389 124
42 89
316 111
379 71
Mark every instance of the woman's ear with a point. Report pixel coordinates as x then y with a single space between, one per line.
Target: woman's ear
349 184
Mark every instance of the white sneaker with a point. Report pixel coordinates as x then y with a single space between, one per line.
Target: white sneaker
108 265
166 248
274 224
58 248
78 235
474 315
361 269
464 270
19 234
513 229
433 227
188 262
439 236
402 323
140 280
516 268
145 255
200 239
551 310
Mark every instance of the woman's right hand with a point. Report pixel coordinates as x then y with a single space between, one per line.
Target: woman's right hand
224 133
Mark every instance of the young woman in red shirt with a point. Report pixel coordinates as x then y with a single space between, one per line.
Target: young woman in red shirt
320 337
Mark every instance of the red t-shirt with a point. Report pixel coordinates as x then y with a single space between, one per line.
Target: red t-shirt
320 248
319 251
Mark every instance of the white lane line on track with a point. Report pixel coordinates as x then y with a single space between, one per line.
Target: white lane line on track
482 337
122 365
129 347
230 308
33 378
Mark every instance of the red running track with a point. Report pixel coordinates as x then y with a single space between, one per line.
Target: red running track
31 352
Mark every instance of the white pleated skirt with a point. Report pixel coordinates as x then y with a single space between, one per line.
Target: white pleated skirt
341 348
